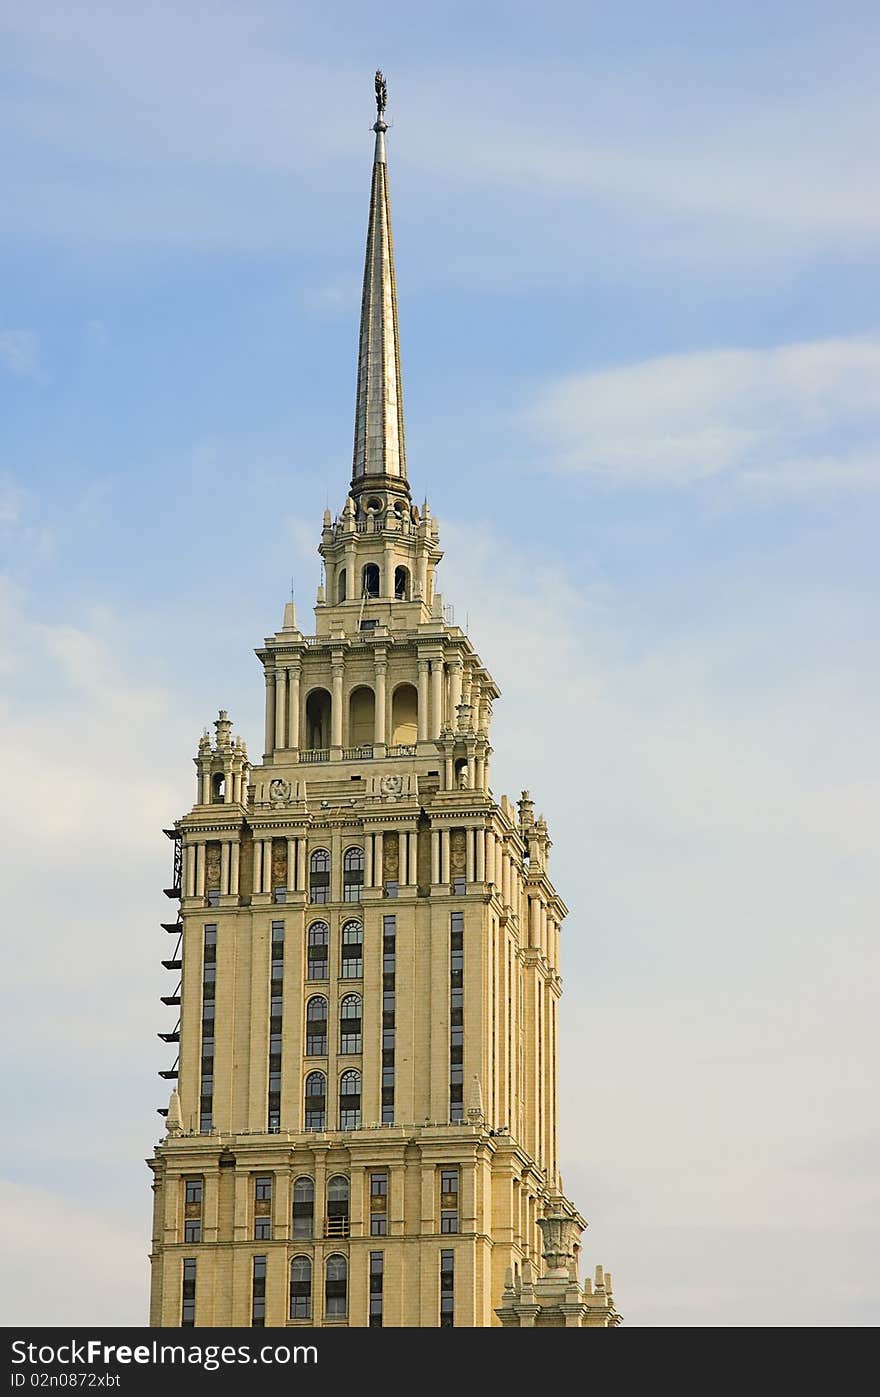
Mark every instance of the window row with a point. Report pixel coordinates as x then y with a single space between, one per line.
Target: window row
349 1101
350 1025
336 1221
351 951
352 874
370 581
397 725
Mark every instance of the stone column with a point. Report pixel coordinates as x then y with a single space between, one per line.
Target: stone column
455 678
505 876
381 672
480 835
435 856
200 870
378 871
280 708
301 864
423 699
338 666
267 865
234 855
293 678
491 849
444 856
291 865
356 1200
270 710
534 921
205 798
470 861
258 865
436 697
189 854
224 868
368 861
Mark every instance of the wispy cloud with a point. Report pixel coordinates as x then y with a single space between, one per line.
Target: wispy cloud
797 419
18 351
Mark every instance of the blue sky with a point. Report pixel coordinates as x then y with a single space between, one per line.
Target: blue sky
638 275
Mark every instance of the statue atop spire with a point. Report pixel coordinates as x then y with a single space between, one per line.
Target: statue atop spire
379 449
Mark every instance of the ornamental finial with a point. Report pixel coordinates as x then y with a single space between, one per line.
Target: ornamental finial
381 92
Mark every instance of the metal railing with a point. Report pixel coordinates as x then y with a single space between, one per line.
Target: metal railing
336 1227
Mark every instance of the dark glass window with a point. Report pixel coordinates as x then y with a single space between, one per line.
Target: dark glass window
447 1289
319 876
352 964
371 580
456 1015
300 1288
350 1100
303 1208
316 1101
316 1027
263 1187
318 952
258 1306
188 1302
377 1269
192 1230
350 1019
337 1207
336 1288
378 1204
193 1191
449 1188
352 874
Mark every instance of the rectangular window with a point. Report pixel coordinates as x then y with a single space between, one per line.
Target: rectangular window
276 995
378 1205
258 1304
389 970
262 1229
377 1269
209 994
391 889
188 1302
193 1192
192 1230
280 894
447 1289
449 1189
456 1016
213 897
459 886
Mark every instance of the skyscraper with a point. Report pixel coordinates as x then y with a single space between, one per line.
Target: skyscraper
363 1129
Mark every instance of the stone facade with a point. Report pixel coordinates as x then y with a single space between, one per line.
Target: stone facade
363 1129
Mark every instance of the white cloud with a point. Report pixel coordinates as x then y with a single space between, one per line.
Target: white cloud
18 351
799 418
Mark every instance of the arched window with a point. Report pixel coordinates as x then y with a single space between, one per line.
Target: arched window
319 706
342 585
352 966
300 1288
218 788
371 580
352 874
404 715
319 876
316 1101
303 1208
350 1016
350 1100
318 951
336 1288
337 1207
401 584
316 1027
361 716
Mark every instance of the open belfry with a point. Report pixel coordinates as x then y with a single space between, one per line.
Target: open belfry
363 1125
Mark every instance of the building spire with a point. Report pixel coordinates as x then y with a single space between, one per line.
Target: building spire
379 448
